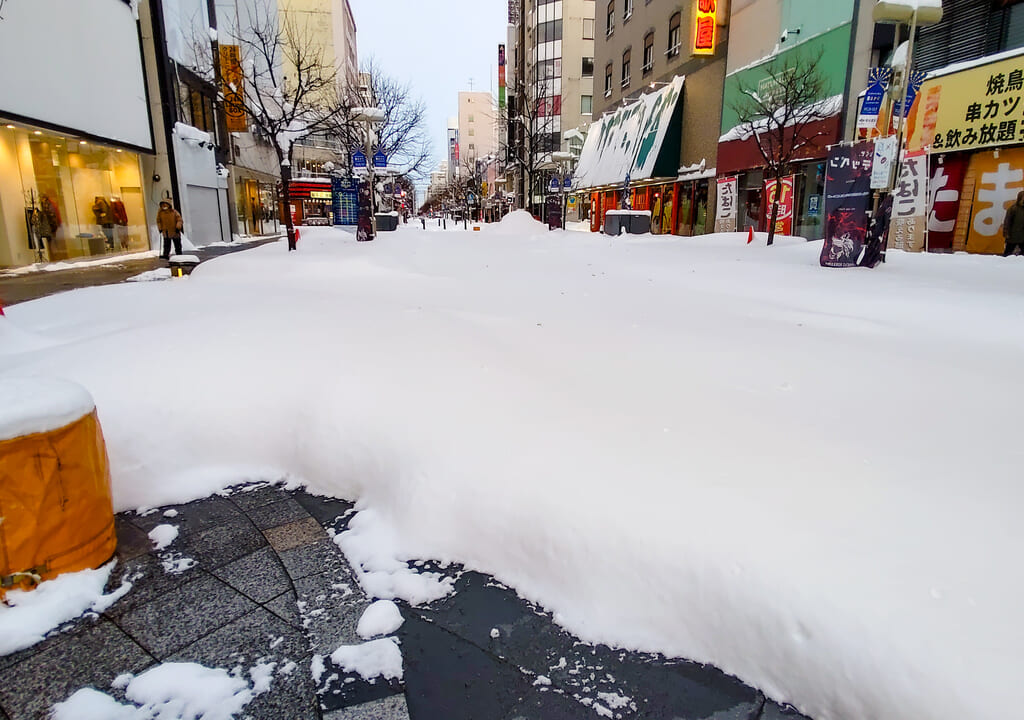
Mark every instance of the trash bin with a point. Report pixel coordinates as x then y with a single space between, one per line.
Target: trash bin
386 222
631 222
182 265
54 482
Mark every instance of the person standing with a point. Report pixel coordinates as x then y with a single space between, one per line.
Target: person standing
170 225
1013 226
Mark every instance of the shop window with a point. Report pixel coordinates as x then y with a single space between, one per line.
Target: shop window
648 52
588 67
588 28
609 27
586 104
625 67
80 198
673 36
608 80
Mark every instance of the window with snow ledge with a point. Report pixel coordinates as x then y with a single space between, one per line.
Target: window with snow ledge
674 43
627 10
610 18
625 67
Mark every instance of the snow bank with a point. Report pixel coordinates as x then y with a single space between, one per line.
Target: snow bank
808 477
29 615
377 658
14 339
31 405
517 222
380 618
169 691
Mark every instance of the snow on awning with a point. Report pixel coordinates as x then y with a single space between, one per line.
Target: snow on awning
627 141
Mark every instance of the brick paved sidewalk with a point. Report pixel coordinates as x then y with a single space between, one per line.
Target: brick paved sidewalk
270 585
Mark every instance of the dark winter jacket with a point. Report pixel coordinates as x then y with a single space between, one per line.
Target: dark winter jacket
168 221
101 209
1013 225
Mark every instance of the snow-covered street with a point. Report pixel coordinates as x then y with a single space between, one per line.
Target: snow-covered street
807 477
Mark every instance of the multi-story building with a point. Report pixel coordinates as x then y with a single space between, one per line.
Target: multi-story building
550 87
661 68
837 38
76 145
477 126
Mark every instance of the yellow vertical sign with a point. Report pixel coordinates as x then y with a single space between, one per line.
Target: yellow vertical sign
231 80
998 180
704 27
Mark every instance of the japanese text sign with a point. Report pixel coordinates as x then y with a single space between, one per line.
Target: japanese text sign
975 108
231 80
725 216
907 224
878 81
784 219
705 27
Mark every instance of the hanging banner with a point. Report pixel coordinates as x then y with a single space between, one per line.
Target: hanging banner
847 200
882 162
501 76
784 218
997 182
944 187
907 227
725 214
231 80
878 81
916 80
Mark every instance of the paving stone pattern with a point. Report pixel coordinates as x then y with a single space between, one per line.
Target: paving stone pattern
266 584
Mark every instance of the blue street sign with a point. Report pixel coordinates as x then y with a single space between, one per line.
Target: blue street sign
553 186
380 160
358 159
567 182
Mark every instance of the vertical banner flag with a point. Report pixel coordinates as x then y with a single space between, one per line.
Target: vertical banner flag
501 76
231 80
945 184
878 81
916 80
882 162
998 179
907 227
705 26
847 199
784 219
725 215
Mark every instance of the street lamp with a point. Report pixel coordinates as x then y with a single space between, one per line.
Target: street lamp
918 13
369 116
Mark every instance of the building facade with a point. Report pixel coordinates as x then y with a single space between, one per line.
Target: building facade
764 33
76 156
664 61
477 126
550 87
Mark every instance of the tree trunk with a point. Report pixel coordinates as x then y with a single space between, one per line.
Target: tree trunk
775 207
286 199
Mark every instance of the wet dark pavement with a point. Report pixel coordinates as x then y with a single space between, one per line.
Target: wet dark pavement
269 584
17 288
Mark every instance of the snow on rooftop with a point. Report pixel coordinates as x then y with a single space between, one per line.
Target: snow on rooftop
187 132
826 108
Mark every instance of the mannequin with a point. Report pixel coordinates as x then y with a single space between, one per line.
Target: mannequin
120 216
104 218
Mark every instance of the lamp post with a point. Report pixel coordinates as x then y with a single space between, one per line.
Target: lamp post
916 13
369 116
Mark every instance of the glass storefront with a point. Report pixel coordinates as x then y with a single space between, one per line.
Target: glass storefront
257 207
62 197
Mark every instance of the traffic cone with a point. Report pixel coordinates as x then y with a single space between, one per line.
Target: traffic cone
750 235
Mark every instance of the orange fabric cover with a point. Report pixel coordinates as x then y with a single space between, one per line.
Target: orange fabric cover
55 503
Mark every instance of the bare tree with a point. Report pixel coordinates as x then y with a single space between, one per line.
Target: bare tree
403 134
780 112
289 87
531 133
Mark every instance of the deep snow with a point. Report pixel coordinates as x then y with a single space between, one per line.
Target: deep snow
808 477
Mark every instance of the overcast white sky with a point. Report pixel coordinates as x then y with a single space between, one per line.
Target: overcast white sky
437 45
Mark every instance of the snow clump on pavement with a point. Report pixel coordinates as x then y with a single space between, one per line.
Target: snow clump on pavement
380 618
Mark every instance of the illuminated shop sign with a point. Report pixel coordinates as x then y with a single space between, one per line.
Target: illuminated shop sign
705 27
